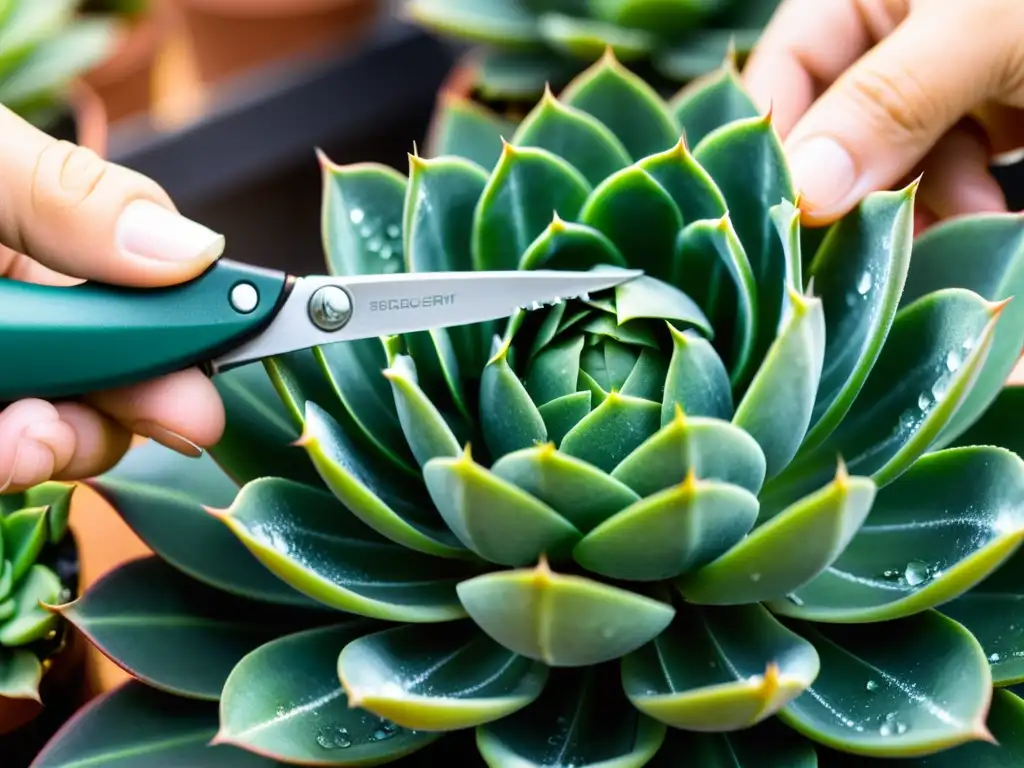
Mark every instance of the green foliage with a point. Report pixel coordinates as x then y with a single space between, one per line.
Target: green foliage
36 570
731 513
521 45
44 46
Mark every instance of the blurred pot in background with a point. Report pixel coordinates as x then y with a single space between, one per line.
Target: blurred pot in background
125 79
226 37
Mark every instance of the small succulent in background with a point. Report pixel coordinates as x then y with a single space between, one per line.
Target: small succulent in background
44 46
762 506
522 45
38 568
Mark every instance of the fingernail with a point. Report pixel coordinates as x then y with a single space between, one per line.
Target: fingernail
150 231
33 464
168 439
823 172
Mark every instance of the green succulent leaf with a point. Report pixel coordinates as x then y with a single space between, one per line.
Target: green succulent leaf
463 128
401 512
506 73
761 567
162 496
440 678
499 521
528 185
361 218
746 160
55 496
135 726
929 362
504 22
20 674
776 409
308 539
1006 749
513 421
438 215
429 435
554 373
284 700
859 273
259 433
612 431
937 531
31 621
636 214
711 101
995 271
588 38
355 370
690 186
581 493
697 380
172 632
703 251
627 105
647 297
566 245
719 669
670 532
572 134
878 698
25 533
993 611
562 620
582 719
711 448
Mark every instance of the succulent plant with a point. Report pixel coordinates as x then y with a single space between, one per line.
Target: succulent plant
762 506
44 46
525 44
38 568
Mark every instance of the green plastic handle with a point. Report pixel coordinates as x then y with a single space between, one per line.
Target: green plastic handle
61 342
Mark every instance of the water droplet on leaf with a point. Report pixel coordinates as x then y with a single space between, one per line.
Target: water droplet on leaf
333 738
917 572
393 231
994 657
755 577
357 215
865 283
871 685
953 361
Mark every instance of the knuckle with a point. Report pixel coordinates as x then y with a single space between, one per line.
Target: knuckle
66 174
894 99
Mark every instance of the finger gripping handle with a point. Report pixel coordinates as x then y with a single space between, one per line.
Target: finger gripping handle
69 341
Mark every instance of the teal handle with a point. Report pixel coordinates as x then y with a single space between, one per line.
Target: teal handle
69 341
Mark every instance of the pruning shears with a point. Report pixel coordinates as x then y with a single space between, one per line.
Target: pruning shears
62 342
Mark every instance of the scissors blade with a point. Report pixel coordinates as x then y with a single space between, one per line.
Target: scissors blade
324 310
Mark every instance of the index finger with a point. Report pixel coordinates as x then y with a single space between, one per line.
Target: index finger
807 45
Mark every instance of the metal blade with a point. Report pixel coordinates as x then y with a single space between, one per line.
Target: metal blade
324 310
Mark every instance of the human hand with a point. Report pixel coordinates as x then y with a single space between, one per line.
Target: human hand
67 216
871 93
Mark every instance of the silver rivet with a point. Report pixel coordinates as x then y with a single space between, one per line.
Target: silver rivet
330 308
244 298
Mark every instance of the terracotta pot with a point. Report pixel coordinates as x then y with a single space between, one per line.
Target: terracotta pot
125 80
227 37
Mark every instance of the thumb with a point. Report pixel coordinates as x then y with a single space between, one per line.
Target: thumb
67 208
883 115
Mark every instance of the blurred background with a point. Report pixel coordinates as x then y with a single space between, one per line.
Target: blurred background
224 102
